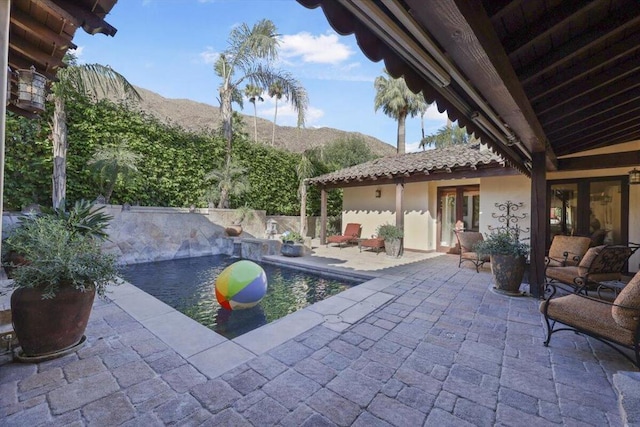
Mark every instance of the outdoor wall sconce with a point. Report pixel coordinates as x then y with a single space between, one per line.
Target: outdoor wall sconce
634 176
31 90
379 192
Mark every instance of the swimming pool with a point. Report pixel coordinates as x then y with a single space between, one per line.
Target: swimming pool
188 286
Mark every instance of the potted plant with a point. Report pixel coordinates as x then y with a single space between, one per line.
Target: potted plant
242 213
62 267
508 259
292 244
392 236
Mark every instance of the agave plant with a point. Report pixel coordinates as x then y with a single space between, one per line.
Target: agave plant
82 218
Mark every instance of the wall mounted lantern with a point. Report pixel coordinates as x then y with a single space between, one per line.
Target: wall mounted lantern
379 192
31 90
634 176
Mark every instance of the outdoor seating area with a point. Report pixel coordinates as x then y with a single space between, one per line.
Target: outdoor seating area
350 236
467 241
567 250
599 264
615 323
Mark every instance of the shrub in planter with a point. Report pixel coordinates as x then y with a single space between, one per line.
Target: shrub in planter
392 236
508 259
62 268
292 244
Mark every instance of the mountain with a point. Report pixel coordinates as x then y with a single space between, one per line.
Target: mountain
197 116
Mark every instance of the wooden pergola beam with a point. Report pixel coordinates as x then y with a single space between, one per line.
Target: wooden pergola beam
31 26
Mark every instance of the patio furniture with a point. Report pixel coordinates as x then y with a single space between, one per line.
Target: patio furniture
615 324
601 263
567 250
376 243
467 241
351 235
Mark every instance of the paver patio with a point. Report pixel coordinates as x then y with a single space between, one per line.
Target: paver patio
442 349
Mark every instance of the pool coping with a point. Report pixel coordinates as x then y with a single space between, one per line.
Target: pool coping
212 354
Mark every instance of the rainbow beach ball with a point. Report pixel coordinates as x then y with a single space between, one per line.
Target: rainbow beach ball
241 285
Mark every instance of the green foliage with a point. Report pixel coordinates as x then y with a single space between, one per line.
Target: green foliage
292 236
390 232
83 218
345 152
502 242
447 136
112 163
57 257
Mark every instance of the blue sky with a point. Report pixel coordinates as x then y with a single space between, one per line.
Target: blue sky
168 46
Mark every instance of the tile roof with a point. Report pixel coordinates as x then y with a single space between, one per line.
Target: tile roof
448 159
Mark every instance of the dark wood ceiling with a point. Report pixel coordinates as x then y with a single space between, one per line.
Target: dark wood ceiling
41 31
527 76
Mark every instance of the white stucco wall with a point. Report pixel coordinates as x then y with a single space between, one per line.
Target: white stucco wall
515 188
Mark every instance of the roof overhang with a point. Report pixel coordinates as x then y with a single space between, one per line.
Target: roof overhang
532 76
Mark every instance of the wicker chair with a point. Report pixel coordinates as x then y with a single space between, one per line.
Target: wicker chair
601 263
467 241
616 324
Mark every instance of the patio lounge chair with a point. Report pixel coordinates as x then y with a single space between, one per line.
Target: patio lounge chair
615 324
467 240
374 243
351 235
567 250
601 263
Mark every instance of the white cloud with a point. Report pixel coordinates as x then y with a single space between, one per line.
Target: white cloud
321 49
433 114
287 116
77 51
209 55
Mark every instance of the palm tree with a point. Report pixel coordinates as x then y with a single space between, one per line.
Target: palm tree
305 169
93 80
397 101
229 180
447 136
114 162
275 91
248 57
253 93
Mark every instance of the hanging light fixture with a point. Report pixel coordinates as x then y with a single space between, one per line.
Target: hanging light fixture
634 176
31 90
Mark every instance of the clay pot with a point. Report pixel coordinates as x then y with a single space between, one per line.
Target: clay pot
508 272
45 328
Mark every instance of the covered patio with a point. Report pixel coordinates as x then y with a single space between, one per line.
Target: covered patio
540 82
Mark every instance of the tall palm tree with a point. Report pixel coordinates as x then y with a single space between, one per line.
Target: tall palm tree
275 91
397 101
305 169
248 57
94 80
253 93
114 162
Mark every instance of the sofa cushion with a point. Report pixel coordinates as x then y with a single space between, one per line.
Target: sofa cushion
628 318
591 255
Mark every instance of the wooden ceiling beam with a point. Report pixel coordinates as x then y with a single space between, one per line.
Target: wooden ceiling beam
78 16
31 26
601 161
615 25
17 62
26 49
612 107
497 9
581 69
631 112
553 21
613 79
626 87
606 141
613 131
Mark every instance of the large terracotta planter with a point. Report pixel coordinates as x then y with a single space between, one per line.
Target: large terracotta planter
392 247
508 271
46 328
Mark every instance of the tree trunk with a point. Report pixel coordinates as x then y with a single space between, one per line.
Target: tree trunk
255 122
303 209
273 134
402 117
226 113
59 134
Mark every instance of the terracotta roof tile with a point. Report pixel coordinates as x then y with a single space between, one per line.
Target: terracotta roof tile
442 159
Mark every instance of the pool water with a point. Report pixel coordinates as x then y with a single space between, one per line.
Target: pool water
188 285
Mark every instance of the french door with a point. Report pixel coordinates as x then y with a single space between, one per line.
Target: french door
456 205
593 207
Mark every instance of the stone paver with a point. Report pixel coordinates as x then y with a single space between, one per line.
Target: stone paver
424 343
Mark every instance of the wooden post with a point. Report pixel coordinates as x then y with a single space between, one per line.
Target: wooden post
400 211
538 224
5 17
323 216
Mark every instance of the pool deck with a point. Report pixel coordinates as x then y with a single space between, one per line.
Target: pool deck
422 342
